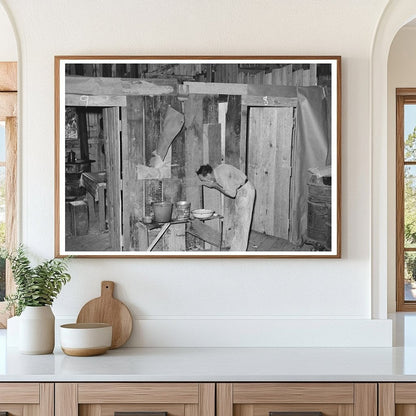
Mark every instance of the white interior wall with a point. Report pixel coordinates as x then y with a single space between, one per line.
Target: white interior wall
401 74
8 46
203 302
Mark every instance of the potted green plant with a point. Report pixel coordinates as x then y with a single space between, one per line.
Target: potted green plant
36 289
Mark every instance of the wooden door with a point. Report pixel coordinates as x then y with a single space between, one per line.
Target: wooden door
105 399
270 167
331 399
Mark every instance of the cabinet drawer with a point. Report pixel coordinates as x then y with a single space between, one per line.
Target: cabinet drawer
149 399
309 399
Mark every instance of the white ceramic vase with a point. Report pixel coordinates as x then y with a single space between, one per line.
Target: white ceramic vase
37 330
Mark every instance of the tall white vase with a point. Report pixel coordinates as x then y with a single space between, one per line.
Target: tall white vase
37 330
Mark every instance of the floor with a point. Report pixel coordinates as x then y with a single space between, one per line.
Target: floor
95 240
263 242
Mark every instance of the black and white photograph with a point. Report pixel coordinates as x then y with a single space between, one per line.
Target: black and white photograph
198 157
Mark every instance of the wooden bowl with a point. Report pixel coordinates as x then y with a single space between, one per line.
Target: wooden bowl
84 340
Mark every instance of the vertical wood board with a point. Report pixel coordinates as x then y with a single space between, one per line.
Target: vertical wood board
232 131
231 157
283 169
152 106
212 156
133 189
210 109
112 150
125 177
261 166
193 148
243 139
178 146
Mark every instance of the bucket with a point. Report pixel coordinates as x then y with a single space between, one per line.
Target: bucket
162 211
183 210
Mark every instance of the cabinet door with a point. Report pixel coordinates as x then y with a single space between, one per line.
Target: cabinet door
297 399
143 399
397 399
26 399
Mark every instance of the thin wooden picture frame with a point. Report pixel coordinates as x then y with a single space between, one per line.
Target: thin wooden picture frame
254 140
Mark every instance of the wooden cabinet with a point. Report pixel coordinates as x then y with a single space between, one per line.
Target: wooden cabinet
27 399
208 399
105 399
397 399
331 399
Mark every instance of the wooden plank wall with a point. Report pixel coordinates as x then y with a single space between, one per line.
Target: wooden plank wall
169 189
289 75
285 75
145 116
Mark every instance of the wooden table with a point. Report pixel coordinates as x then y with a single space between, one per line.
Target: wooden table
95 184
193 226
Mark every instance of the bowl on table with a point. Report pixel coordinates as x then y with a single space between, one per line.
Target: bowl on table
202 214
84 340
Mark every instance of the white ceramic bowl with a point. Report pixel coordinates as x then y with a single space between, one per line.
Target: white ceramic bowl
83 340
202 214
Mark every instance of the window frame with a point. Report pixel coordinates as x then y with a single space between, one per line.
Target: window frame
8 113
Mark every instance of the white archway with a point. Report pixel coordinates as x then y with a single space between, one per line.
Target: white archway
395 16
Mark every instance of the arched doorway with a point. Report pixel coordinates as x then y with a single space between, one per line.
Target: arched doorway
396 15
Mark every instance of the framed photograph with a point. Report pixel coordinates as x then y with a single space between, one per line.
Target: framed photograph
198 156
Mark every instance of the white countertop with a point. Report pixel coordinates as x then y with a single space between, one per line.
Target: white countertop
222 364
215 364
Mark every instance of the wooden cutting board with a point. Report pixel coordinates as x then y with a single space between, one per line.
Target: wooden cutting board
108 310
